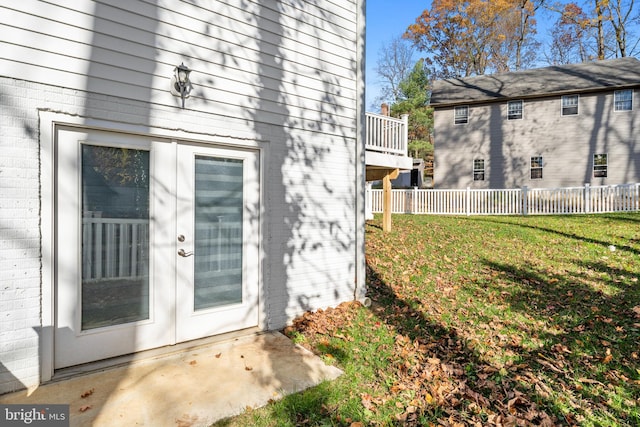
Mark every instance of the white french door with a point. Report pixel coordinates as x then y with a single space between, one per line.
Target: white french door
157 242
217 237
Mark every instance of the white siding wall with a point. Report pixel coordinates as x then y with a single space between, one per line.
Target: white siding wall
566 143
284 73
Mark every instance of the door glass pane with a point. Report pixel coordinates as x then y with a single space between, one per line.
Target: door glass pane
115 236
218 232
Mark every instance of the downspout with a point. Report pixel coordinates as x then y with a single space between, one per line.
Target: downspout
360 184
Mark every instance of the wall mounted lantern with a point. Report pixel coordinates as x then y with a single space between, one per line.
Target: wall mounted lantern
180 83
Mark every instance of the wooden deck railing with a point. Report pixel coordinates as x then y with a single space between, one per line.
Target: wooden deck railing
386 134
524 201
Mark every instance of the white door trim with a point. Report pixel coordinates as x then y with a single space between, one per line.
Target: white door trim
49 121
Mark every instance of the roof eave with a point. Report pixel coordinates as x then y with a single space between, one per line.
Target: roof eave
534 96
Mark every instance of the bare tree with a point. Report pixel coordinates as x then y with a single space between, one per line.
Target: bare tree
597 30
620 18
395 62
571 36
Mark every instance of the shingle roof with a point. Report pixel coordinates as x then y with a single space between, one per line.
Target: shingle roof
588 76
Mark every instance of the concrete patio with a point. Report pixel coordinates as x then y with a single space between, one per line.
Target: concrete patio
190 386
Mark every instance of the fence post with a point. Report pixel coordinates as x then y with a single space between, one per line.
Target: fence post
587 198
468 201
414 207
368 203
524 200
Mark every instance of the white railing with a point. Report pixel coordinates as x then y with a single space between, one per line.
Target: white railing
524 201
117 248
386 134
114 248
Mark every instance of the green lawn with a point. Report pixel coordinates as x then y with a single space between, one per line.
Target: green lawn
481 321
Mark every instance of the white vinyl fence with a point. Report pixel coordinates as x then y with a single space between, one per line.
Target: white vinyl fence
114 248
524 201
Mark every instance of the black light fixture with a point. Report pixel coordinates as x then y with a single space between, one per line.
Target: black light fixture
180 83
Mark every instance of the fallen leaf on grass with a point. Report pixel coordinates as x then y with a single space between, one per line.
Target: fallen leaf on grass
636 311
549 365
608 357
87 393
589 381
516 401
367 401
559 348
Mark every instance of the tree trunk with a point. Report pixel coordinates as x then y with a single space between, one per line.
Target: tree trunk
600 28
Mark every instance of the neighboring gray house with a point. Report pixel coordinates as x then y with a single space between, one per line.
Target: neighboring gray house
549 127
142 206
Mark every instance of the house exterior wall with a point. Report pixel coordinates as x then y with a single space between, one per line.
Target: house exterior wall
567 144
285 75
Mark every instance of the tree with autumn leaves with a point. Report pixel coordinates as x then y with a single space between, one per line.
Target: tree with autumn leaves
599 29
473 37
463 38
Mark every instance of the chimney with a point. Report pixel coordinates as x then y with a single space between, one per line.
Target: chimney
384 109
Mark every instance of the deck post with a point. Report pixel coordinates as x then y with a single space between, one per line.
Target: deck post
386 198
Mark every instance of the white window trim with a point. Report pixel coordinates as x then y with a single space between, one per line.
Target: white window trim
541 167
614 100
484 170
521 109
468 115
562 105
606 169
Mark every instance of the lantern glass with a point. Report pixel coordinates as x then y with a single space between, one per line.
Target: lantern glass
182 74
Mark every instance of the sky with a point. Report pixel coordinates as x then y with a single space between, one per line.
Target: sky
386 20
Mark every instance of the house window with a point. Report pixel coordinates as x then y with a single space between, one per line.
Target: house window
623 100
536 167
461 115
600 165
514 110
569 105
478 170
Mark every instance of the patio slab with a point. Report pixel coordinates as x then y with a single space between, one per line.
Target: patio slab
191 387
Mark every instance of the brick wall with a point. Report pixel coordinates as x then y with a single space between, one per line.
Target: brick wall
19 237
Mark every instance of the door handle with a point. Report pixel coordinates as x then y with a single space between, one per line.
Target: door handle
184 254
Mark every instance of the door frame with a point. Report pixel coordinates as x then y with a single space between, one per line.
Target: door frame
48 126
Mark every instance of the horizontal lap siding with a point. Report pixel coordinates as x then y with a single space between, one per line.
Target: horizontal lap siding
237 66
282 73
566 143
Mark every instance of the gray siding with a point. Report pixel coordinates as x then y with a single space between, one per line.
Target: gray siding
286 74
566 143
